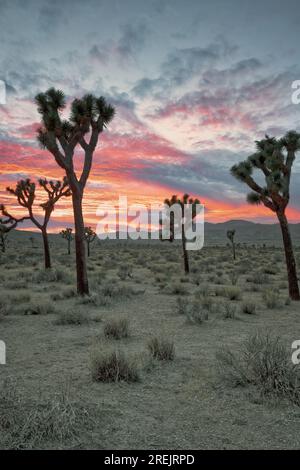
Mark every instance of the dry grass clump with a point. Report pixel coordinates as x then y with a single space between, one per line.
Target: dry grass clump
25 424
116 328
231 293
161 348
229 311
19 298
4 307
271 299
249 308
38 308
57 274
265 363
113 366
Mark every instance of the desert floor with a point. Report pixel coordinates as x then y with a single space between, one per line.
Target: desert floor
48 396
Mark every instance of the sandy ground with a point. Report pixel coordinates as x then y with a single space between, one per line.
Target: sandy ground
181 404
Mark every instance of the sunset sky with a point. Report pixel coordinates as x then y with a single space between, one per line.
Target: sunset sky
194 83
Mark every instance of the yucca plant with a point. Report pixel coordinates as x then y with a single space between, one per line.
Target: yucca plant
89 116
274 158
180 226
25 192
89 236
230 235
67 235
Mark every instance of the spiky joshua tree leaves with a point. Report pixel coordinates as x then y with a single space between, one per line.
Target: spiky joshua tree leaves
180 225
89 116
230 235
25 192
274 158
89 236
67 235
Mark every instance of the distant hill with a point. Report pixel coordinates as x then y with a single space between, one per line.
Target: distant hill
215 234
249 232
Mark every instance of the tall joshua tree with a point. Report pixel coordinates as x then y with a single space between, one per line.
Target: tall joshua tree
89 236
25 191
67 235
230 235
181 226
89 117
274 158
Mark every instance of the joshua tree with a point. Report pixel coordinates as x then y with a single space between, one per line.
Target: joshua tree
89 236
180 226
89 115
67 235
274 158
4 231
31 241
230 235
25 191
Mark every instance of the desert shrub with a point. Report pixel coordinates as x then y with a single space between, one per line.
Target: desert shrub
259 278
182 305
161 349
221 280
29 425
116 291
116 328
271 299
52 275
113 366
38 308
161 279
231 293
15 284
65 294
270 270
229 311
178 289
265 363
96 299
124 272
4 307
71 317
234 277
19 298
249 307
197 312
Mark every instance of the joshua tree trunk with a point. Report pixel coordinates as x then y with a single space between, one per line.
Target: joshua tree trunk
69 247
88 249
82 280
185 253
46 249
233 250
2 244
290 258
